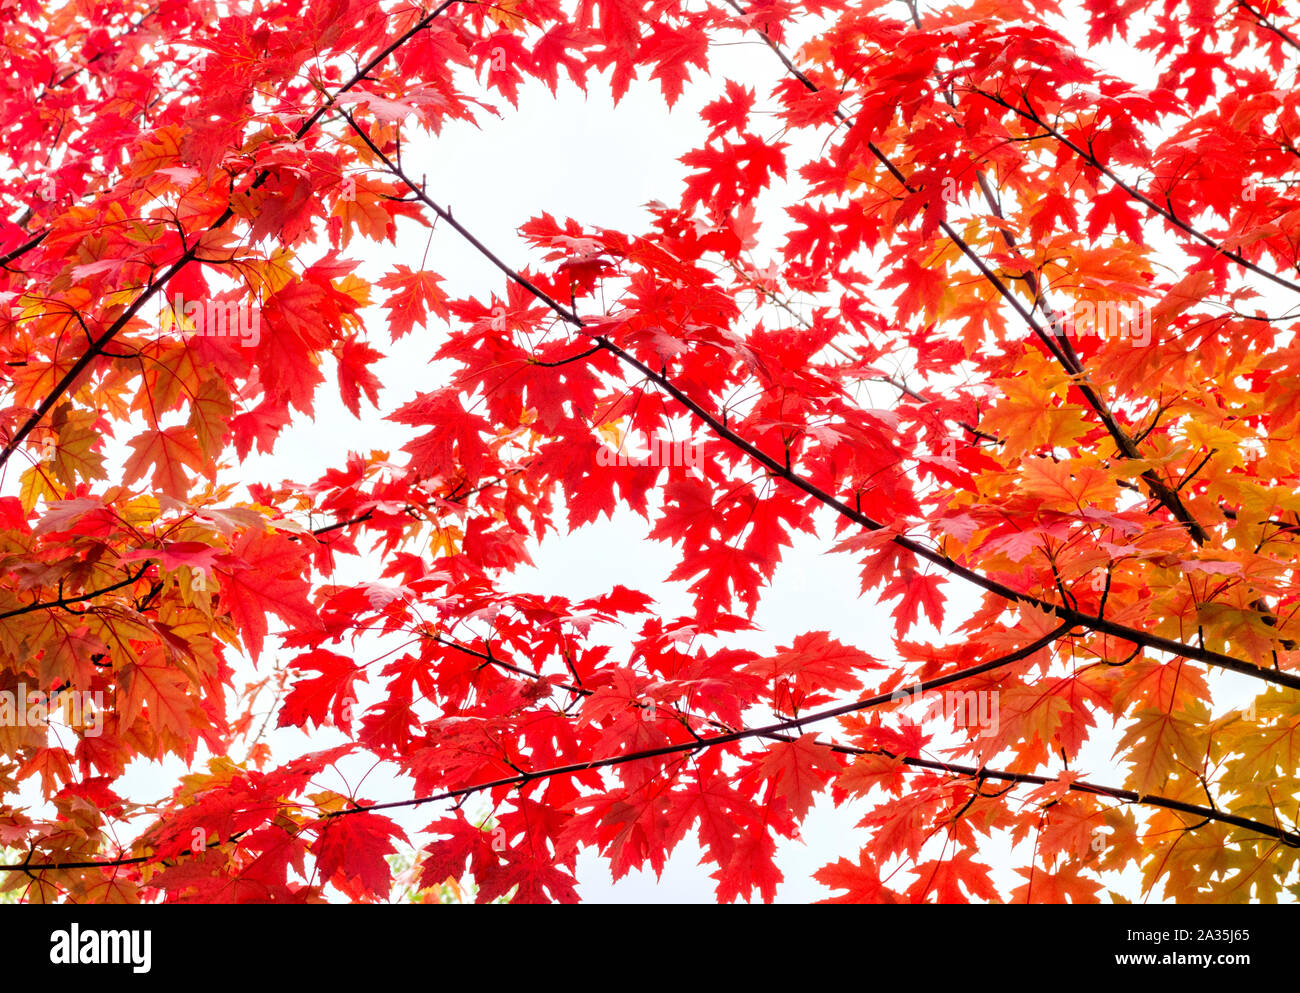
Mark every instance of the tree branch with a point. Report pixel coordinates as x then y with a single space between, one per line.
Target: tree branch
779 468
100 343
780 731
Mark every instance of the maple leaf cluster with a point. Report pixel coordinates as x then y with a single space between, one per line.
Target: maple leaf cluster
940 292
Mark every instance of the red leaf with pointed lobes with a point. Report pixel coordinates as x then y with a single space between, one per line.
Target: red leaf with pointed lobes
1061 885
729 113
415 295
166 454
954 880
861 881
919 592
798 770
672 50
351 850
355 375
801 676
752 867
263 574
314 699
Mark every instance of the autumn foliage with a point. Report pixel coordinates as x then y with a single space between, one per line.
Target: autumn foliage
945 291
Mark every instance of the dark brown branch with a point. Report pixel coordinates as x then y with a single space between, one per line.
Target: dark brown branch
65 601
780 731
1062 351
778 468
1268 25
98 345
1167 213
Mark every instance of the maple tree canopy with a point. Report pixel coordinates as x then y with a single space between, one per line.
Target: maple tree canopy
940 293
